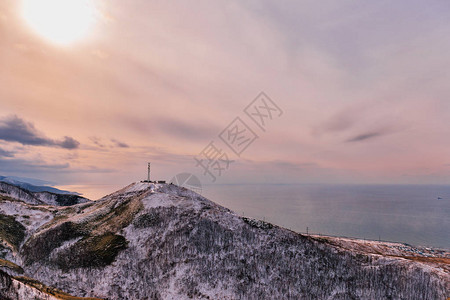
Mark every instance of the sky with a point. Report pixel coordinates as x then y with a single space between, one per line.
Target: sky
362 91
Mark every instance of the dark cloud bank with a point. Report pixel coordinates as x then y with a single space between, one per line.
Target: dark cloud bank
15 129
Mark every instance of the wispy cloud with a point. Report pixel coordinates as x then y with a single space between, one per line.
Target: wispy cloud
185 129
24 166
364 137
68 143
111 143
15 129
119 144
173 127
4 153
97 141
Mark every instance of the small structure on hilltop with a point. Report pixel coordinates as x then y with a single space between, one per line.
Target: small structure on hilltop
148 174
148 177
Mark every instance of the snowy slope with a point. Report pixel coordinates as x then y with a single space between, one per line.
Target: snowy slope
44 197
160 241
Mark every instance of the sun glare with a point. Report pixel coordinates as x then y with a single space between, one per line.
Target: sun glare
60 21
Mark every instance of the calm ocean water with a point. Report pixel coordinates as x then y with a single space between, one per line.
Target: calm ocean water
405 213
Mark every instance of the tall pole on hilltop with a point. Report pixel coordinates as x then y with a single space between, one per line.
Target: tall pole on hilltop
148 177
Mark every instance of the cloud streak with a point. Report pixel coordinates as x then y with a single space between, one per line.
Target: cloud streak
15 129
4 153
364 137
119 144
25 166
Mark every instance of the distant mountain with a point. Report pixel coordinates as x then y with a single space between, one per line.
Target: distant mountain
39 196
33 181
161 241
33 185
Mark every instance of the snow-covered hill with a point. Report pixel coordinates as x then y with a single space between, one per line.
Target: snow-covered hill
160 241
42 197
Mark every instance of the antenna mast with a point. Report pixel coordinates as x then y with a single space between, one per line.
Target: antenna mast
148 177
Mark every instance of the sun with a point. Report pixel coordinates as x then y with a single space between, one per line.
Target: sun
60 21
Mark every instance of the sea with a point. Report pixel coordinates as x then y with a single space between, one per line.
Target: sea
414 214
